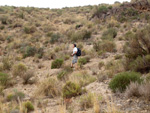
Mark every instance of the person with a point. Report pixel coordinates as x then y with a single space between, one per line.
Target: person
75 57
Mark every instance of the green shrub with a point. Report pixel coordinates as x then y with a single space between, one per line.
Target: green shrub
4 79
118 57
122 80
128 14
100 64
54 38
7 64
109 34
28 107
15 96
102 9
104 46
79 35
57 63
19 70
4 20
29 29
2 27
140 64
61 75
29 51
148 78
40 52
49 34
9 39
137 51
86 34
66 57
83 60
99 10
49 55
21 15
129 35
75 36
71 90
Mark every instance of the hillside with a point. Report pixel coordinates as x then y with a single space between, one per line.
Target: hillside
111 76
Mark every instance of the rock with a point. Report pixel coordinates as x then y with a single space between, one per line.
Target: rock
129 101
139 6
15 111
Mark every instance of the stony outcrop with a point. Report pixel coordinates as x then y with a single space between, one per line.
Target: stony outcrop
140 6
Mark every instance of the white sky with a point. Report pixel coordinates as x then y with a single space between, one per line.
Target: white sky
55 3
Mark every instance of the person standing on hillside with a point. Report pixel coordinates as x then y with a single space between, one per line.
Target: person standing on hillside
75 57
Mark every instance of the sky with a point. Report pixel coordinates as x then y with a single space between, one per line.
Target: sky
55 3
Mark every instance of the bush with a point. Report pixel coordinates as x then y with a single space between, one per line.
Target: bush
57 63
4 79
49 55
19 70
140 64
71 90
49 87
2 27
128 14
15 96
29 29
9 39
83 61
86 34
29 51
118 57
109 34
40 52
54 38
27 76
7 64
86 101
129 35
49 34
4 20
100 64
82 78
104 46
138 90
63 74
122 80
99 10
101 77
137 51
144 90
79 35
28 107
132 90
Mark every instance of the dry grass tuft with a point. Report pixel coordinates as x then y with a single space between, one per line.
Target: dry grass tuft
82 78
86 101
49 87
132 90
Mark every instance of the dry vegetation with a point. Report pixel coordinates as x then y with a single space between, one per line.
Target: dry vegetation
112 75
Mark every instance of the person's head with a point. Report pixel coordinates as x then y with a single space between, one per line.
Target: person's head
74 45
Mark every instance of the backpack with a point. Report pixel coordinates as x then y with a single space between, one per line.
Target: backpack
78 52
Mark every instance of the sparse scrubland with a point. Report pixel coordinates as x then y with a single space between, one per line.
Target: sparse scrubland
111 76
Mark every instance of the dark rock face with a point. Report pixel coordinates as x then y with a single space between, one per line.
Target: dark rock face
139 6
